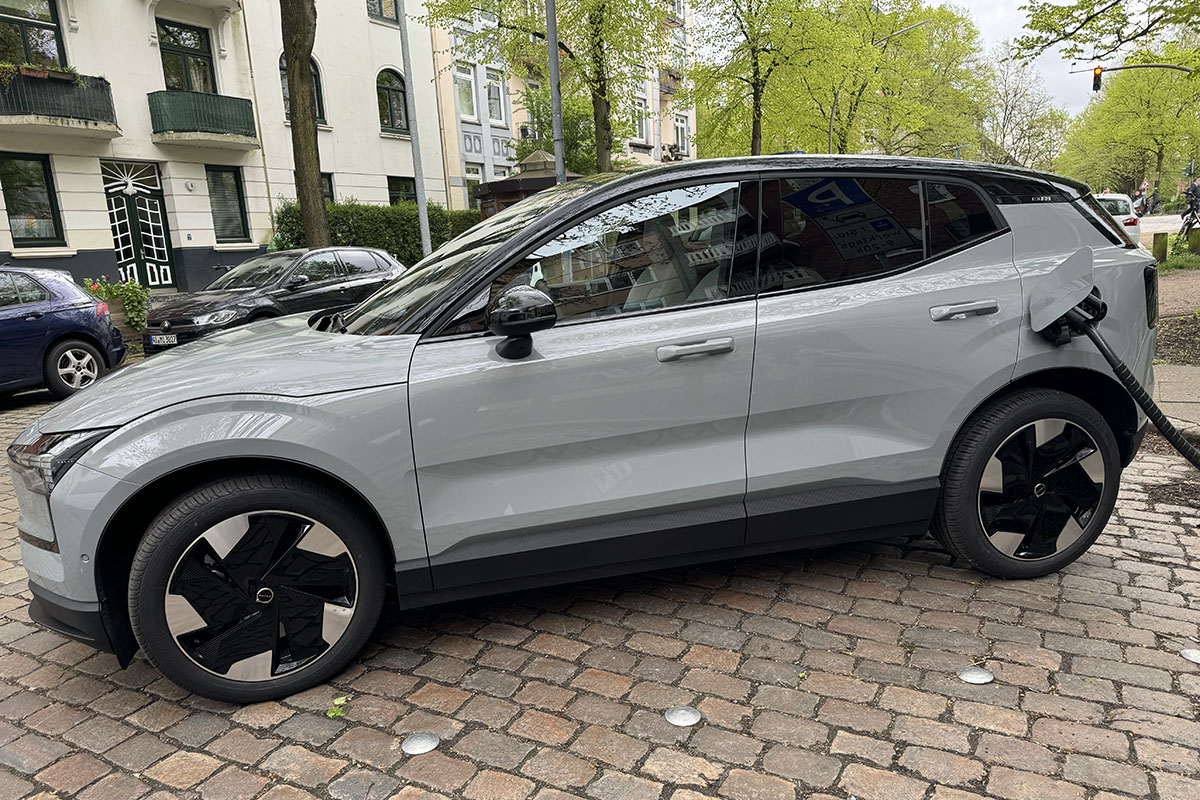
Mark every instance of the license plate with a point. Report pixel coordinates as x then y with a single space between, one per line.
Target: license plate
164 338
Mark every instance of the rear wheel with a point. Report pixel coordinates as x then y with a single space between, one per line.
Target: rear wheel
1030 484
256 587
71 365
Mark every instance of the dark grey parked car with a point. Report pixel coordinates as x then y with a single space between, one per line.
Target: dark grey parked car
271 285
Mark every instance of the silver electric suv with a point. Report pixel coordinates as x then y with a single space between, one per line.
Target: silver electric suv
695 362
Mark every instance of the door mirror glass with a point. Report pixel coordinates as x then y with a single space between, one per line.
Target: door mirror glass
517 313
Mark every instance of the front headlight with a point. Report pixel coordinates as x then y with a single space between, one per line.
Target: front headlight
42 462
216 317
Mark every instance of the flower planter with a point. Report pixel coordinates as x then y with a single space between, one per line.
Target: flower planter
58 74
116 312
32 72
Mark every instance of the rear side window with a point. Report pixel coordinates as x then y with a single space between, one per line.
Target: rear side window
320 267
818 230
1102 221
957 216
8 292
358 262
29 290
1114 205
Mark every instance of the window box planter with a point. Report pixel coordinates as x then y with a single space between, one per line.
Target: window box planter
34 72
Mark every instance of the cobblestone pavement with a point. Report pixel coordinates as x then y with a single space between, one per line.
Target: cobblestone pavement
821 674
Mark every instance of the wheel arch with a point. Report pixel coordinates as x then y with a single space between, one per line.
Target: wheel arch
82 335
124 530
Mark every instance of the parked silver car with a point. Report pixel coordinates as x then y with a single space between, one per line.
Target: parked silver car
696 362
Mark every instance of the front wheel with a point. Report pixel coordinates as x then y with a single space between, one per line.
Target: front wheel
1030 483
252 588
71 365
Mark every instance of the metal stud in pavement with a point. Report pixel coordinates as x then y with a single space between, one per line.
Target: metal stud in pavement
417 743
682 716
975 675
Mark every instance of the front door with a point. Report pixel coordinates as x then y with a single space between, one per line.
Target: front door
620 439
25 316
316 283
138 218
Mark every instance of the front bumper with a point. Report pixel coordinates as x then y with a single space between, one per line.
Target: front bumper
78 619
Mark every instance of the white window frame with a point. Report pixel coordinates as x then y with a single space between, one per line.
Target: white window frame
684 124
464 74
495 78
472 172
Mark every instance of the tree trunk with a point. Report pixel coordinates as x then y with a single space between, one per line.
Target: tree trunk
299 23
600 105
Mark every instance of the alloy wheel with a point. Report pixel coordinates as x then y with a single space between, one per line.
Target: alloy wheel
260 595
1040 489
77 368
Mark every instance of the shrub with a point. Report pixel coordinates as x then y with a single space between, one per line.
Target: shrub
135 297
391 228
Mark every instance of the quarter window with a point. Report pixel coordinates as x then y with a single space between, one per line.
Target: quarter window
320 100
29 33
228 204
818 230
957 216
29 200
186 58
665 250
29 290
383 9
393 110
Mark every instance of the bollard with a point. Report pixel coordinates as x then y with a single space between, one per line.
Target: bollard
1160 247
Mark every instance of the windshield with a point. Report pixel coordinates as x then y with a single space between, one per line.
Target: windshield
1115 205
256 272
391 305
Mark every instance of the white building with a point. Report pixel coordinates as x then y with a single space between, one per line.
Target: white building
169 153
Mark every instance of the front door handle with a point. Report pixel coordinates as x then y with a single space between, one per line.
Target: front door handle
674 352
976 308
32 315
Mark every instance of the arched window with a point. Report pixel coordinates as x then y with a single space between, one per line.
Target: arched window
393 113
287 111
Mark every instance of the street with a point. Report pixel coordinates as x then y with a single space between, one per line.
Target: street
822 674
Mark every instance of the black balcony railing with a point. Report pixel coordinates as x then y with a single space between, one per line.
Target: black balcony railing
198 112
88 99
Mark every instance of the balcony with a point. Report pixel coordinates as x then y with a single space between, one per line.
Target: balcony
668 81
202 120
82 108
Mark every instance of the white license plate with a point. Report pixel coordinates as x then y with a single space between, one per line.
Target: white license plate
164 338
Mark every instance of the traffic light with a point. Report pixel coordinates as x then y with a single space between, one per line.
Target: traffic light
1097 73
1190 169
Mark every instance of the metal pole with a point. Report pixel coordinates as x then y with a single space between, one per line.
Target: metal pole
1133 66
411 108
560 168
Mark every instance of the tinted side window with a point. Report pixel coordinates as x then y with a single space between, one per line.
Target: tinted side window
358 262
29 290
8 292
321 267
663 250
957 215
818 230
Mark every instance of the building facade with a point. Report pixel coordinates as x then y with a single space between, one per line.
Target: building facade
166 156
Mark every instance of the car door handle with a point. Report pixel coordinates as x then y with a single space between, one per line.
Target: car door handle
32 315
976 308
674 352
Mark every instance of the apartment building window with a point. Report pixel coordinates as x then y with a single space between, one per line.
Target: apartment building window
501 172
681 133
327 187
29 199
393 109
472 176
383 9
464 89
641 108
228 204
186 57
495 96
401 190
29 33
283 81
678 9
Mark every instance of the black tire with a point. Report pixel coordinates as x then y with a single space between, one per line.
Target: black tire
1058 484
65 367
275 510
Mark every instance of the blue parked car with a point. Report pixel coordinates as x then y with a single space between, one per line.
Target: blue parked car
53 333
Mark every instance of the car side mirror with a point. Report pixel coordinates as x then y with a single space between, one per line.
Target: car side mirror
516 314
295 282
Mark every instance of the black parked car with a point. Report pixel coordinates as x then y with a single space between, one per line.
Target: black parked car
270 285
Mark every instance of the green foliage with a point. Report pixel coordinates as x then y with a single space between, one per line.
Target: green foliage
135 297
579 129
1096 29
8 72
337 708
391 228
1180 262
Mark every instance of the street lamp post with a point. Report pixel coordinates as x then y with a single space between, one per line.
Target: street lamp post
411 109
836 94
556 122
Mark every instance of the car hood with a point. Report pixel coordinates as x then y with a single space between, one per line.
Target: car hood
282 357
186 305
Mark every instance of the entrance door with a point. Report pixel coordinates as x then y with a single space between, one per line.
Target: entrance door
139 223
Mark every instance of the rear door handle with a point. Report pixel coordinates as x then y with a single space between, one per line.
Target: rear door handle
32 315
674 352
976 308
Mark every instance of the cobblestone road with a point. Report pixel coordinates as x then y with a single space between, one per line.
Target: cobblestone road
821 674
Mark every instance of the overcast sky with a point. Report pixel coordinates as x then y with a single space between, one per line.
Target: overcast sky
998 20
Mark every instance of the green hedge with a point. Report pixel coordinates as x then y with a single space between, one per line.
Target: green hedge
391 228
